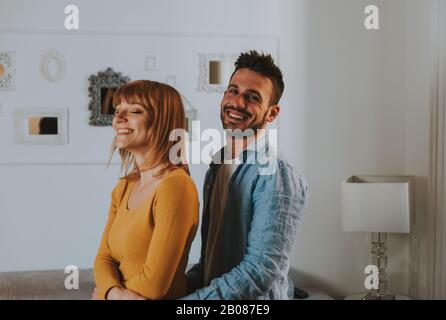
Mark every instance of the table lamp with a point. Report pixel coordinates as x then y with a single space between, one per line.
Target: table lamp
380 205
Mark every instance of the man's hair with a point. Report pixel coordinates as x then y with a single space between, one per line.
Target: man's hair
263 64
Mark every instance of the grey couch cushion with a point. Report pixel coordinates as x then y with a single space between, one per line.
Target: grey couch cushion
44 285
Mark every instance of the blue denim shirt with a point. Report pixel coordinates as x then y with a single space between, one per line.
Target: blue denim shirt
264 205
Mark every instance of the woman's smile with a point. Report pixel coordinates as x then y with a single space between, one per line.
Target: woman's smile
124 131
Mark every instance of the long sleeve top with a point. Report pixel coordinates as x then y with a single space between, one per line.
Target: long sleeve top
146 250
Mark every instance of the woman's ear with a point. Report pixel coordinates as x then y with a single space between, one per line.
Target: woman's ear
273 112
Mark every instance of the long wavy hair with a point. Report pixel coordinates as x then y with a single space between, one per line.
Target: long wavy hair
166 113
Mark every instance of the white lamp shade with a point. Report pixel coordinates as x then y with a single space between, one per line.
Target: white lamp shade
377 203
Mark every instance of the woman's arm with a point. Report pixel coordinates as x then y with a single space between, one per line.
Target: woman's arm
106 270
176 220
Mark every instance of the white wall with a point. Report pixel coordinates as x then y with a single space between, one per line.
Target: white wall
366 111
419 83
54 199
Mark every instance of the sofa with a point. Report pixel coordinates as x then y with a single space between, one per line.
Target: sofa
44 285
50 285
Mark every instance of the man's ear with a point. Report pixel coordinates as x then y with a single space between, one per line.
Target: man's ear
273 112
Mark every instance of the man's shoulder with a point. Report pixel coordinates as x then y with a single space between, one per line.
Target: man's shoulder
278 173
288 171
282 176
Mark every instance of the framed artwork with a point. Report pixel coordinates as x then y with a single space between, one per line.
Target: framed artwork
42 126
103 86
53 65
7 70
151 63
191 114
215 71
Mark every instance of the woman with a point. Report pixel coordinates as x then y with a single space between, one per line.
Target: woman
153 215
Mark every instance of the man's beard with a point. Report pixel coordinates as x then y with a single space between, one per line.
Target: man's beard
253 126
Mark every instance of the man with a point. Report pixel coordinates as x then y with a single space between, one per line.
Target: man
250 216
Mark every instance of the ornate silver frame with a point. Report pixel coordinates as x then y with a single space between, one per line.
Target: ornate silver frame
203 79
107 79
7 81
191 114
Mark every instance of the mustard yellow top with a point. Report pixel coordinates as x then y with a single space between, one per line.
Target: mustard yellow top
146 250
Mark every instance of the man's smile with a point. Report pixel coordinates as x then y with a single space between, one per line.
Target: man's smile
236 116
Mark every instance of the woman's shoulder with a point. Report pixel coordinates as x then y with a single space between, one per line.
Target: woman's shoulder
120 188
177 179
121 183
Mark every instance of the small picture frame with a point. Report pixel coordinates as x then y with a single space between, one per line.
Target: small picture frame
57 60
101 89
215 70
151 63
7 70
42 126
191 116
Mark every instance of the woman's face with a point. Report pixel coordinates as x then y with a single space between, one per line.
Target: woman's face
131 125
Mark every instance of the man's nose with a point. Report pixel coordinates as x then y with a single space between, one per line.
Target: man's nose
239 101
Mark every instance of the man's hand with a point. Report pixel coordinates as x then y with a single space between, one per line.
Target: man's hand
117 293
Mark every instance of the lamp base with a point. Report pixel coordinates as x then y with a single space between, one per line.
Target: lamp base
372 296
376 296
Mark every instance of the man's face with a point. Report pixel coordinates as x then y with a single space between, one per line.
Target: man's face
246 102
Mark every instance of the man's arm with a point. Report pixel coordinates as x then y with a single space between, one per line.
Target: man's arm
275 217
195 277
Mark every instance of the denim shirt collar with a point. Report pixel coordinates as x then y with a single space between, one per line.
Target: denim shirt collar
257 151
